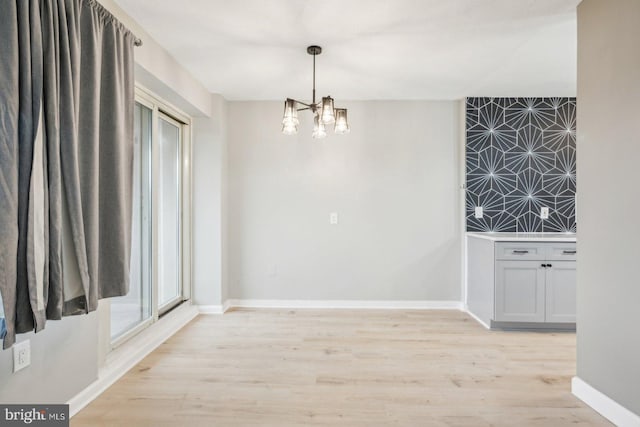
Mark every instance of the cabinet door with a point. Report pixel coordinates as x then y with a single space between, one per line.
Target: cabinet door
520 288
561 292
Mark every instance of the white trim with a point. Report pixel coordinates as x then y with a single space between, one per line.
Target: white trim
129 354
211 309
352 304
126 336
462 195
476 318
607 407
215 309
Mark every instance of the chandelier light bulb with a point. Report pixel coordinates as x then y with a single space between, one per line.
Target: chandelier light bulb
342 125
319 130
290 113
289 129
328 114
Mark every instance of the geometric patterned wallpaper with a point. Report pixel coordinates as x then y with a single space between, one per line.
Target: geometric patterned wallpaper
520 157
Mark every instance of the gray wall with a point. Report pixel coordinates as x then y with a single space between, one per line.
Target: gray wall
609 147
393 182
209 204
64 360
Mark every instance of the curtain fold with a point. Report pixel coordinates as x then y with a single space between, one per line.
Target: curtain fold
74 255
51 100
66 152
32 251
30 95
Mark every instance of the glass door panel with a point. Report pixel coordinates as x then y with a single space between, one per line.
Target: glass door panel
129 311
170 143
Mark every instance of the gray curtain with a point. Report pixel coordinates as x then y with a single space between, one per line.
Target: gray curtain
66 179
10 98
60 23
105 154
20 103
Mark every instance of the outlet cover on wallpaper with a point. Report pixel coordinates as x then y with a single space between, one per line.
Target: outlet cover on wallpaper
478 212
544 212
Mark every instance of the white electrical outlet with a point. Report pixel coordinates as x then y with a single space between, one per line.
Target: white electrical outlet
333 218
21 355
544 212
478 212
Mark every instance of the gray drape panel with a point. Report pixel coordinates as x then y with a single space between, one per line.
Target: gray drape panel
30 93
61 39
51 49
105 151
9 162
65 186
30 312
21 83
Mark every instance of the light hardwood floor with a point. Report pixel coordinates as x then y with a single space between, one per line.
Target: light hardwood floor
347 367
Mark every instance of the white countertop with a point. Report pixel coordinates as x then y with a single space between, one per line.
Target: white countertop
529 237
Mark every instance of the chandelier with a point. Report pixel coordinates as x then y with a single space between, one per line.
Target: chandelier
324 112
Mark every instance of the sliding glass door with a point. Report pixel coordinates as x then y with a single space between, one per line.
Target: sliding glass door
170 143
160 239
135 308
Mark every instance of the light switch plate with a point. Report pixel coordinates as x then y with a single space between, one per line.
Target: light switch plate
478 212
21 355
544 212
333 218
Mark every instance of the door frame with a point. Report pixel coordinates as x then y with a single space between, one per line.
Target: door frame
160 107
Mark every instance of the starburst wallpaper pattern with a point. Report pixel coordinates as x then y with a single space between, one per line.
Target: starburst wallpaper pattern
520 157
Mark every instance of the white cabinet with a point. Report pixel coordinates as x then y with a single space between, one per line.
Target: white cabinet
560 292
520 291
521 283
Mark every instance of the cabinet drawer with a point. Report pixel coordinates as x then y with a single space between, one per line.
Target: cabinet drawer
520 251
561 251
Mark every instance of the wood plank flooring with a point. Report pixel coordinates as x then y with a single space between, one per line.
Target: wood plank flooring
347 367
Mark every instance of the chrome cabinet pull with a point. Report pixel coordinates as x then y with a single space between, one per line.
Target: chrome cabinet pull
568 252
520 252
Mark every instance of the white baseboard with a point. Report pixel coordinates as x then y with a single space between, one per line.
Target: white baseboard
126 356
214 309
607 407
476 318
211 309
350 304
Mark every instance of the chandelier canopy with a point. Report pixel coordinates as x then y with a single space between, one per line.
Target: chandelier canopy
324 112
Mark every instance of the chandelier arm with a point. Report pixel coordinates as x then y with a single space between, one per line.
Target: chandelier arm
300 102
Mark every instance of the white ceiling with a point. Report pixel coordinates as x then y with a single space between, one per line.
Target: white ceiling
373 49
